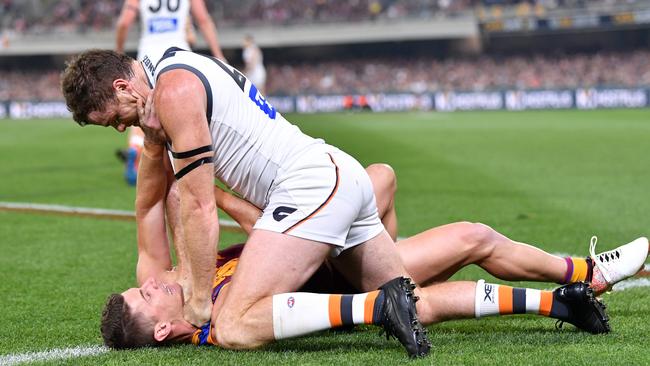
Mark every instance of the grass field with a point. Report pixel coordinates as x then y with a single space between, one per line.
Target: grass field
548 178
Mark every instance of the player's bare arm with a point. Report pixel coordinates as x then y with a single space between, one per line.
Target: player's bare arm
127 16
154 259
181 104
242 211
207 27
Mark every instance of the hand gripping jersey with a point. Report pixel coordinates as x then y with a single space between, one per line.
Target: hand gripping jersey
226 265
253 144
163 25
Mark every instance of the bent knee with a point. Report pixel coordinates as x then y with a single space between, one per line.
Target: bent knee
384 173
478 237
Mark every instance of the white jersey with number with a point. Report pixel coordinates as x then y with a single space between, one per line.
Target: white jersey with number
163 25
253 144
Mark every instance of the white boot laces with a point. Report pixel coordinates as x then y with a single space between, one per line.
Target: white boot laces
599 261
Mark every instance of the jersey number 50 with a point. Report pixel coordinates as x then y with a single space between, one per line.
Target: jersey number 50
155 9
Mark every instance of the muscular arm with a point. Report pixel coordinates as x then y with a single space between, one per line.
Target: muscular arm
127 16
153 246
180 105
240 210
207 27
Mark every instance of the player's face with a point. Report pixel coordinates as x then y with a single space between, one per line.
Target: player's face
156 300
119 114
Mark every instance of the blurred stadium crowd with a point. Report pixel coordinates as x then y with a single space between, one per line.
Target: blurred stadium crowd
478 73
51 16
416 75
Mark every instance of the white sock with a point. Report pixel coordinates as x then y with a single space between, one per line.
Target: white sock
300 313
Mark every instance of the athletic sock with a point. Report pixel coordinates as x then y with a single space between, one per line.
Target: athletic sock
492 299
578 270
300 313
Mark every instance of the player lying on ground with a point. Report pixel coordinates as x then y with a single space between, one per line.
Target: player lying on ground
572 303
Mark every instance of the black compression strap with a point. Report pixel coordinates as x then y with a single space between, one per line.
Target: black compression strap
190 153
197 163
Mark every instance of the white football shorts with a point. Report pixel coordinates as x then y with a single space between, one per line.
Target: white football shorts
326 196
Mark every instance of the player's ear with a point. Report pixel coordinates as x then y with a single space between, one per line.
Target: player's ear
161 331
121 85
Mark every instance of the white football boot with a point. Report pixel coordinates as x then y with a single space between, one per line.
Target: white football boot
618 264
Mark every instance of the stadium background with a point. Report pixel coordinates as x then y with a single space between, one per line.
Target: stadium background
550 149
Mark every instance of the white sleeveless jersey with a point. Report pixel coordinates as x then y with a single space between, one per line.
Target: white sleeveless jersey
163 24
253 144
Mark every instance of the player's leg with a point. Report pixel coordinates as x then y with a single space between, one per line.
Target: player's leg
271 263
370 257
374 262
436 254
258 307
574 303
135 141
360 264
384 184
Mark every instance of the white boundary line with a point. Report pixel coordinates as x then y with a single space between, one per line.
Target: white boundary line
52 355
84 211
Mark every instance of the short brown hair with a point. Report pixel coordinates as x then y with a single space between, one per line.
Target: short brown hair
87 81
122 329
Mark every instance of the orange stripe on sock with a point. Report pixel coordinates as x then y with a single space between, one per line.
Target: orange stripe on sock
505 300
335 311
545 302
580 269
369 307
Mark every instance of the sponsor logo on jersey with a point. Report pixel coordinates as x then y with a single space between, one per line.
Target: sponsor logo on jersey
281 212
261 102
163 25
488 293
290 302
148 64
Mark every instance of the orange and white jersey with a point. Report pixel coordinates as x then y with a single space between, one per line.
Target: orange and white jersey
253 144
163 25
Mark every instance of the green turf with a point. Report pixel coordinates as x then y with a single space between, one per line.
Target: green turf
551 178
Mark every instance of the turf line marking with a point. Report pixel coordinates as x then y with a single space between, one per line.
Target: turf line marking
87 212
632 283
52 355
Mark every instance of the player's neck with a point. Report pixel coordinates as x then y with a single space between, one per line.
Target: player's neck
140 79
182 332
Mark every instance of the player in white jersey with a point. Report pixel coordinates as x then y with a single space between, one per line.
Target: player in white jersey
316 200
163 24
254 62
